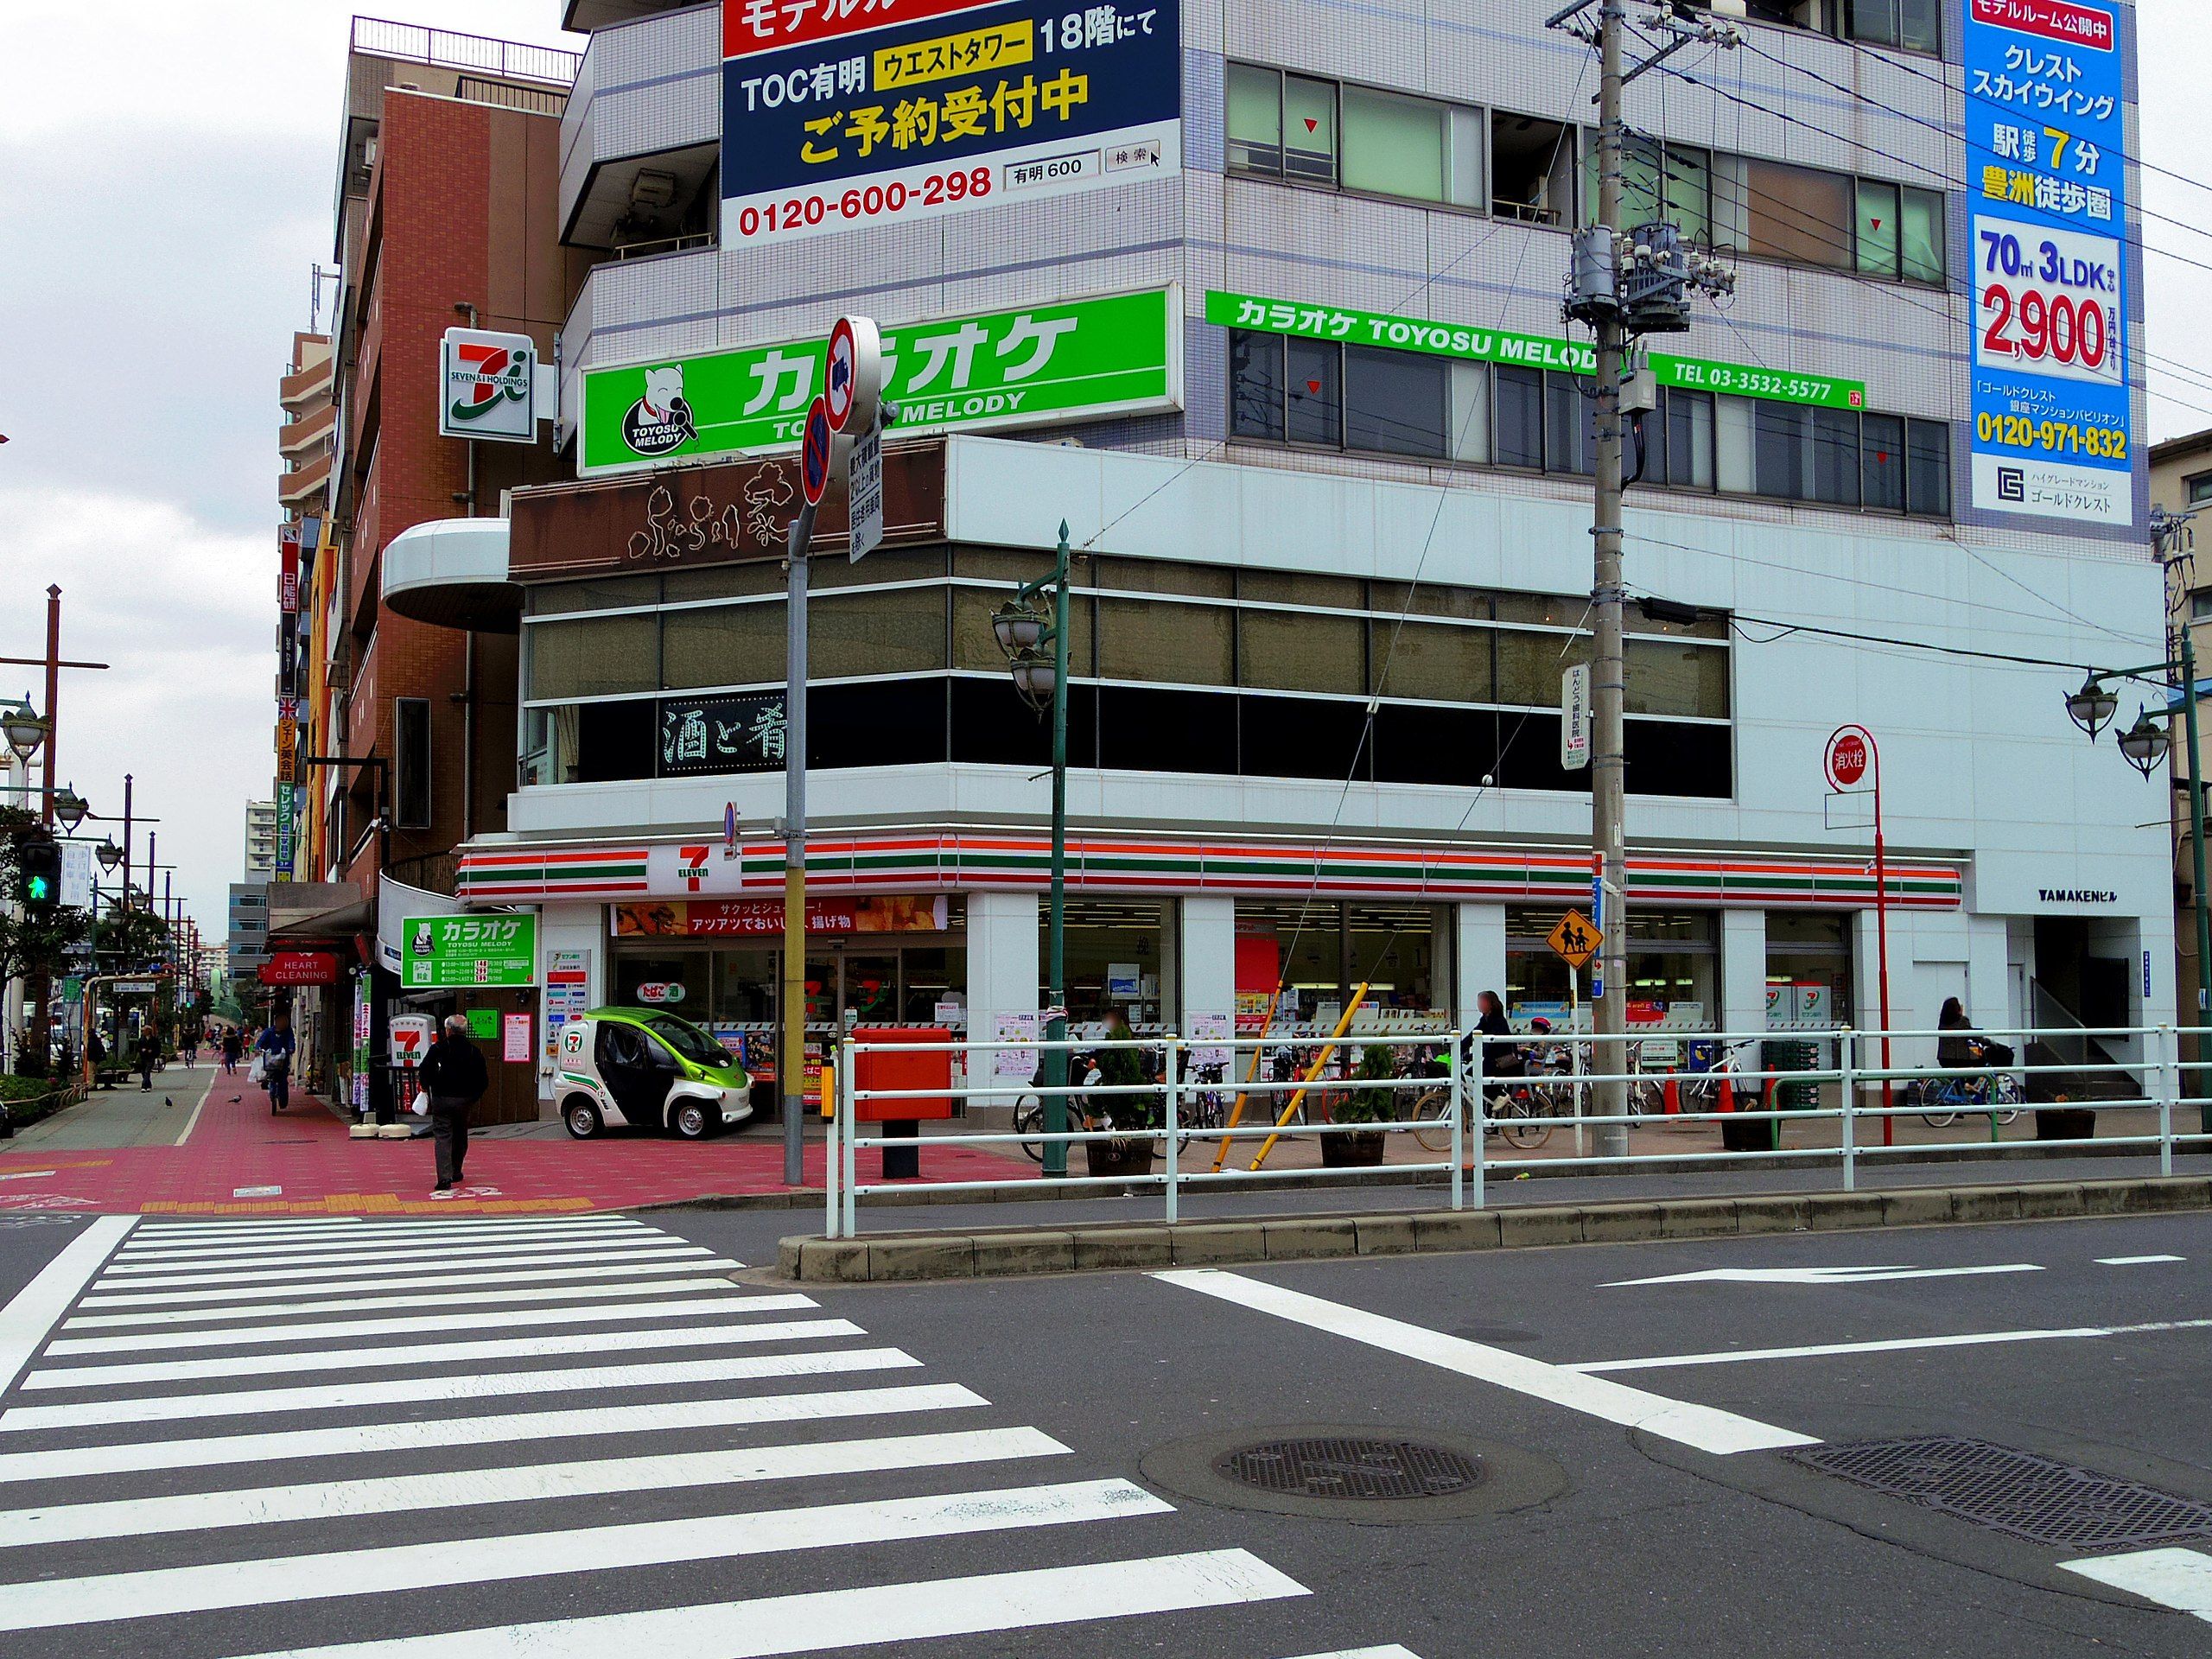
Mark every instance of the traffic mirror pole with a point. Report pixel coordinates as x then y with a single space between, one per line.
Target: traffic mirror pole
791 1063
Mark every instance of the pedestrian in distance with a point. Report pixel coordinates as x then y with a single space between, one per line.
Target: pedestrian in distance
275 1046
1502 1056
233 1047
148 1044
453 1076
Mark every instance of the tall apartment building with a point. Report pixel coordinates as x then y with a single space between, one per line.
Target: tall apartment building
307 443
444 216
260 841
1264 302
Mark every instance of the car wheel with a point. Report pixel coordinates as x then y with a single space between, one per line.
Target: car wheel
582 1119
691 1120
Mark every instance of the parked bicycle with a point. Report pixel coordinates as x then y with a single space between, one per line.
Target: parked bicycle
1996 1095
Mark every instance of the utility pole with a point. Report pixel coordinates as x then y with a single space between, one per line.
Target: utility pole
1625 281
1609 756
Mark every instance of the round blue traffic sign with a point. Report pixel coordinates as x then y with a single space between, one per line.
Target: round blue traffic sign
814 453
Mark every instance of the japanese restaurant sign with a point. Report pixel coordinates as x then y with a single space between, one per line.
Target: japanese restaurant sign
703 919
712 735
837 115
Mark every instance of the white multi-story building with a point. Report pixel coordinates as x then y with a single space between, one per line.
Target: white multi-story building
260 841
1263 302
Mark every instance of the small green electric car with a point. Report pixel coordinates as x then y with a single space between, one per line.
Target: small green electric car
621 1066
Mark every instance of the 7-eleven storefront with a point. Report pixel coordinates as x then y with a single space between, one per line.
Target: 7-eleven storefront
947 926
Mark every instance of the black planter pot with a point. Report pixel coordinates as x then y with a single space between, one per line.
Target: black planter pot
1352 1150
1119 1159
2065 1123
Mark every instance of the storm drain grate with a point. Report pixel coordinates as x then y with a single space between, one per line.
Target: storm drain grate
1343 1467
2020 1493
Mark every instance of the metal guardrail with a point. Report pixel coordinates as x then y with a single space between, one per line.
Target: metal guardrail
1857 1069
381 37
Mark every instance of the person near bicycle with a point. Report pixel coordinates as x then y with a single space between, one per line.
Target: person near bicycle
1960 1045
1502 1056
277 1046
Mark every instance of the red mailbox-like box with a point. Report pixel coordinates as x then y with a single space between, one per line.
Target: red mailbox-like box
924 1068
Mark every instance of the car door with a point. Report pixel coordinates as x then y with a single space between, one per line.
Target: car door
630 1068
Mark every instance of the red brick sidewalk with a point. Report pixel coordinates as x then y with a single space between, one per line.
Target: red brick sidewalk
241 1159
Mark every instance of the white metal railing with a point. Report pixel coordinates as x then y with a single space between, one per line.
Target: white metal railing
1449 1098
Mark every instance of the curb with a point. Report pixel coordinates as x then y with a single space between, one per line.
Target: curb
1005 1252
1017 1190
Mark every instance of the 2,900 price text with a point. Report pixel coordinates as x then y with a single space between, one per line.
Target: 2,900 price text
2053 437
863 203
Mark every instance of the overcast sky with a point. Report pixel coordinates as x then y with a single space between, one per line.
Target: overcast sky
165 185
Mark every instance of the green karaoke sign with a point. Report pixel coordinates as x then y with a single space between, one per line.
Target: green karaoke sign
1084 360
449 952
1527 351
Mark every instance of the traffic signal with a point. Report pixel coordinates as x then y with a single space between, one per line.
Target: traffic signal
38 873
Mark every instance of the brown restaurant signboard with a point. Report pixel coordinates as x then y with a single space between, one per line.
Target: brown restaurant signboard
681 517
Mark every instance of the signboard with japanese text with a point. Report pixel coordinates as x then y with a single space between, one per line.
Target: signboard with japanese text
449 951
287 568
1087 358
1482 344
712 735
2047 186
707 918
287 828
836 116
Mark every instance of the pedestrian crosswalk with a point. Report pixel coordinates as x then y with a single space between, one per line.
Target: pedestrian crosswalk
534 1438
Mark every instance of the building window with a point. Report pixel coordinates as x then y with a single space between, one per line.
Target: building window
1531 168
1927 469
1796 213
411 771
1313 131
2200 488
1396 402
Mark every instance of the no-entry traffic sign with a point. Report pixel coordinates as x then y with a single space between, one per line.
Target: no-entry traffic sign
815 453
853 375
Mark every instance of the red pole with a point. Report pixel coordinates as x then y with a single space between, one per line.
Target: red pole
1882 941
52 694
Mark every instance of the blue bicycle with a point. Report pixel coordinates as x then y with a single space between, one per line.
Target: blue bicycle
1941 1099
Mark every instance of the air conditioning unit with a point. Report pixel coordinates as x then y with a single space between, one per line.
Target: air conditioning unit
651 190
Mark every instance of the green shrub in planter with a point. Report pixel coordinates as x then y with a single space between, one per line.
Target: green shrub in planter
1376 1064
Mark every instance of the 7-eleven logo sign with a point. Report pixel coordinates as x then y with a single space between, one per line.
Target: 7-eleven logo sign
488 383
691 865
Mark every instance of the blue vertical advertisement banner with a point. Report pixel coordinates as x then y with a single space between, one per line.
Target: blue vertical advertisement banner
2046 184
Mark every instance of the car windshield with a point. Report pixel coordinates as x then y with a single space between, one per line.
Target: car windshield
693 1044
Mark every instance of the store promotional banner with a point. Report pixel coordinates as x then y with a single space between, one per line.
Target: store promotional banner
2047 189
1082 359
838 116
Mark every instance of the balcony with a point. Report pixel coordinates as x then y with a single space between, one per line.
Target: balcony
295 437
298 491
643 129
308 383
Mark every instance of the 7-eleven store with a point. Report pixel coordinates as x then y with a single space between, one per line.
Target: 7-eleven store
947 926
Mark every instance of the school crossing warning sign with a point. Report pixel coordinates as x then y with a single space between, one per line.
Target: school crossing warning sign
1575 939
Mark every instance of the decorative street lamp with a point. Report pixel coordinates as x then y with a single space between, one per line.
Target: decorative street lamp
70 807
109 854
2143 744
1036 649
25 730
2093 707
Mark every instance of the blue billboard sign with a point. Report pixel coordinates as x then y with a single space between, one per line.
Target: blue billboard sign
963 107
2047 191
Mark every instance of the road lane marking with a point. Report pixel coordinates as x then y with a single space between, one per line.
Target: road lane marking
648 1288
592 1423
408 1259
733 1334
206 1095
2134 1260
1885 1345
38 1306
1818 1276
29 1174
325 1396
450 1239
2179 1578
1704 1427
279 1580
529 1276
377 1272
1392 1651
813 1621
729 1299
138 1517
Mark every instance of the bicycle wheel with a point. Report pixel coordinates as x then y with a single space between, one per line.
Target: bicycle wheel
1029 1119
1433 1112
1521 1118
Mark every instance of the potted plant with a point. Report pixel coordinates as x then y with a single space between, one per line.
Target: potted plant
1357 1150
1133 1155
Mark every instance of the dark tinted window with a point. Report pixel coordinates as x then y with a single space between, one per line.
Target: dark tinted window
1302 737
1316 391
1255 385
1520 414
1881 457
1394 401
1927 469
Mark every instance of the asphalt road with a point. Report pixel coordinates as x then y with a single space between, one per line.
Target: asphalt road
256 1438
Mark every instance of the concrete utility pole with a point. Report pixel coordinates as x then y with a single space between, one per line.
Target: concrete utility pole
1609 757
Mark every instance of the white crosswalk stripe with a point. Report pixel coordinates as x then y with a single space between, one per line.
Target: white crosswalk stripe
388 1451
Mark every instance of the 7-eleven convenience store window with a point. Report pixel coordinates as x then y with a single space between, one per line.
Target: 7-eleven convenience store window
1674 962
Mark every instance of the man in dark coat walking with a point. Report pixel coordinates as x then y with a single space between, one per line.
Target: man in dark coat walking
452 1075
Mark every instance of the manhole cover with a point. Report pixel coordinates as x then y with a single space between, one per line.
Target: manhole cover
1335 1467
2020 1493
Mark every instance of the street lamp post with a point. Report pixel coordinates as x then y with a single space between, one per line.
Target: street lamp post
1023 631
2143 745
